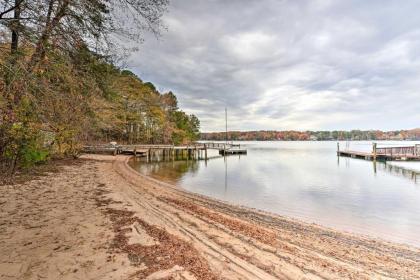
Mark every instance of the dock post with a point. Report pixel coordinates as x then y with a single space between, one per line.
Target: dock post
135 153
338 148
374 151
205 151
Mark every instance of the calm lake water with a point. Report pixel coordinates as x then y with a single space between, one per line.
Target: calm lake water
307 181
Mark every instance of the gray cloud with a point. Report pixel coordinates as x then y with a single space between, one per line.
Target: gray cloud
290 64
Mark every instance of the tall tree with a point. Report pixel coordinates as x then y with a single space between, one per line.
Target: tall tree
66 24
16 25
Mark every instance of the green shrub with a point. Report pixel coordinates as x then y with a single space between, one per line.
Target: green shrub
33 154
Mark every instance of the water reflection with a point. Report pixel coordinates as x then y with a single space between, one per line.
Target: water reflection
168 170
379 166
400 171
172 169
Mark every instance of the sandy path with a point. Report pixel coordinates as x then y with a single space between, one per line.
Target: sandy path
102 220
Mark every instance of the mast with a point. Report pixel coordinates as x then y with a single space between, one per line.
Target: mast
226 125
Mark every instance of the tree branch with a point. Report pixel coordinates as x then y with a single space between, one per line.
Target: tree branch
17 4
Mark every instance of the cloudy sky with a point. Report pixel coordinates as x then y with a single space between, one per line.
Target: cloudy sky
289 64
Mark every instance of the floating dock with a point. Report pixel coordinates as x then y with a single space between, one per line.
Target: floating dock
406 153
233 152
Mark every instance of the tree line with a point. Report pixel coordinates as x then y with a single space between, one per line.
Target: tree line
60 86
291 135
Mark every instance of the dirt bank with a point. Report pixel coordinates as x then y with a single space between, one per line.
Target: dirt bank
99 219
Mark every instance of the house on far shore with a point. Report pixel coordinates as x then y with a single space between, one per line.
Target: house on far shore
313 138
399 136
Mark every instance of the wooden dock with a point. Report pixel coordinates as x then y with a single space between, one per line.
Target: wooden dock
406 153
193 151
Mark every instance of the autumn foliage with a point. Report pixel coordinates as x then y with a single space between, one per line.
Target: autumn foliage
60 87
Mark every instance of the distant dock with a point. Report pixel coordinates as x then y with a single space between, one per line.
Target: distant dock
406 153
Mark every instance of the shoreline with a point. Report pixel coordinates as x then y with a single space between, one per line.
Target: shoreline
153 230
291 219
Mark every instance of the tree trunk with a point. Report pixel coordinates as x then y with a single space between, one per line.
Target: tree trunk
50 25
15 27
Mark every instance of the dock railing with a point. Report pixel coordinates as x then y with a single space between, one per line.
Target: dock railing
407 150
220 145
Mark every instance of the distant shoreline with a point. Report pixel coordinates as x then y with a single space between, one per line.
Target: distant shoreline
294 135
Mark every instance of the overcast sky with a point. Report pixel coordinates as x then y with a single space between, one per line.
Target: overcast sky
290 64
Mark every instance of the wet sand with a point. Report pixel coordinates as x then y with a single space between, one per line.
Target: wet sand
99 219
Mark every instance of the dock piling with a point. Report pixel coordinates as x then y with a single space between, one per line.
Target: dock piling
374 151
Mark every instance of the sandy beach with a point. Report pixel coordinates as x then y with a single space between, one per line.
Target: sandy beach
97 218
